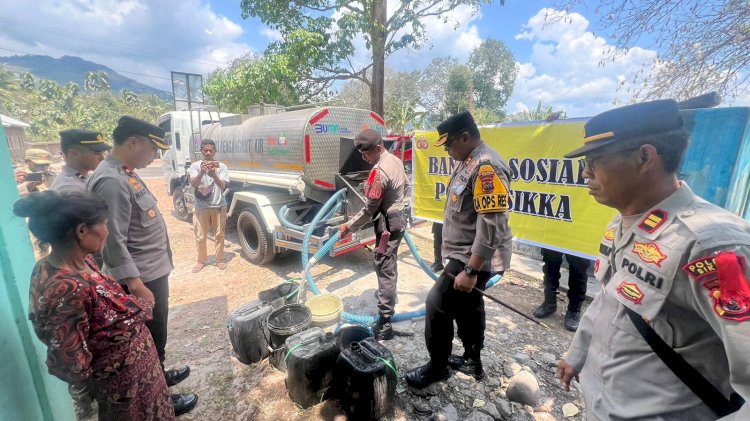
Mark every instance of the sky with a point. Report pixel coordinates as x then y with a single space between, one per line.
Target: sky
559 64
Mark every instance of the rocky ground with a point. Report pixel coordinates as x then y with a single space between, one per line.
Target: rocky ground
516 350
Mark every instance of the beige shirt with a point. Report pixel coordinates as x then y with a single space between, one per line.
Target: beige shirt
385 190
476 211
663 268
137 245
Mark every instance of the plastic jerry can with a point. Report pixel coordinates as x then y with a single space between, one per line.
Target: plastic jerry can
248 331
310 358
366 380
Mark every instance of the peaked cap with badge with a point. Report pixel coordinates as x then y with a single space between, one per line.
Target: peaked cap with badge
455 124
616 126
131 126
88 138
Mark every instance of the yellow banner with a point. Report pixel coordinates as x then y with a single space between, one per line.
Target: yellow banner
549 199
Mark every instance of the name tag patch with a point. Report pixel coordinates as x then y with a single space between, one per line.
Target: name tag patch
643 274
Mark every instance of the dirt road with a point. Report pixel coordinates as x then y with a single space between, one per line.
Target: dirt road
230 390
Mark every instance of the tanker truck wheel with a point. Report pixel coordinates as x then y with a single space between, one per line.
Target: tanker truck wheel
180 209
256 241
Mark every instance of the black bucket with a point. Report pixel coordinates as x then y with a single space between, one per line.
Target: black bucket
285 322
352 333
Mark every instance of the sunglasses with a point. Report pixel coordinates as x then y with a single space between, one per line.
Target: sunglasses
589 162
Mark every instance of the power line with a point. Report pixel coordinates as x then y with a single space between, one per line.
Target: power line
108 42
116 70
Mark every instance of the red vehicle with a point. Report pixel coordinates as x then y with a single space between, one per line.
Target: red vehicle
401 146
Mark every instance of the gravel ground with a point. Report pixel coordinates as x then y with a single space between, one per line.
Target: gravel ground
230 390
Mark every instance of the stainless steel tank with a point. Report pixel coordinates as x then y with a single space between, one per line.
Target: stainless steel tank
312 144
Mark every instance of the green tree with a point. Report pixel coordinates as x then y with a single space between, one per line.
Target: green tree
253 79
9 85
494 73
27 81
457 90
319 35
541 112
96 81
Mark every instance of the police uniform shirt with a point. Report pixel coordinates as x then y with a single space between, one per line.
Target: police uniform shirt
69 180
385 189
476 211
138 245
684 267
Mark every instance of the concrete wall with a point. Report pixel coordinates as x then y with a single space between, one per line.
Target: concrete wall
27 391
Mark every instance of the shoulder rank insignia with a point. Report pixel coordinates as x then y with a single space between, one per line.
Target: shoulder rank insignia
490 194
653 220
732 298
649 252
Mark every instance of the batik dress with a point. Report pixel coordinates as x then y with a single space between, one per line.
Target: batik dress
96 335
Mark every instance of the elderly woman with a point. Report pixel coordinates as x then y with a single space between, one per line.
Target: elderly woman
94 332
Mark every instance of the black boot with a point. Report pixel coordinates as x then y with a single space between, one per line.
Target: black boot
572 316
548 307
467 365
425 375
384 332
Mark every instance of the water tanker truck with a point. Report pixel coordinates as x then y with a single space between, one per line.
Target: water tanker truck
283 166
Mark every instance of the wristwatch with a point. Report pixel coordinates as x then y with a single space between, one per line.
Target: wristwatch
470 270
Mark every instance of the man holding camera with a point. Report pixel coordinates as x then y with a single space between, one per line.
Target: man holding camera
36 175
209 178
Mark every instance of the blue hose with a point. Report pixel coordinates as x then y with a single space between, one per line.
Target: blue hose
323 251
285 222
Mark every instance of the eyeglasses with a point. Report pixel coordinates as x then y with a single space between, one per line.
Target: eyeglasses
589 162
449 141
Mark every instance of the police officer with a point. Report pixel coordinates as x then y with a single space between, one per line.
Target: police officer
83 151
577 284
674 270
137 251
37 162
385 189
476 243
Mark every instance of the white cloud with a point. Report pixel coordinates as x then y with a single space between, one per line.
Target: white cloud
272 34
151 37
565 69
453 34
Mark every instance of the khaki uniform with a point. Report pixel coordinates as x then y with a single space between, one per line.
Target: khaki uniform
476 222
664 267
138 245
69 179
385 190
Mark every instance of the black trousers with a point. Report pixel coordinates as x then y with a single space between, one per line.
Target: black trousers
437 238
387 270
444 305
577 280
158 325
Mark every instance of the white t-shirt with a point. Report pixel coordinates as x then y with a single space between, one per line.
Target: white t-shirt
207 194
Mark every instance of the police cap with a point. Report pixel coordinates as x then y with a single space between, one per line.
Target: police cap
130 126
367 139
461 122
88 138
617 125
